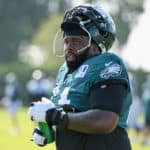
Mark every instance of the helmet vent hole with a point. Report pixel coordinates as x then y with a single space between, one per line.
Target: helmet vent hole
104 34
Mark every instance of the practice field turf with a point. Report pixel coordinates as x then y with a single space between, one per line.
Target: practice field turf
21 141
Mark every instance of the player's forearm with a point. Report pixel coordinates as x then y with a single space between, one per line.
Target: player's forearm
93 121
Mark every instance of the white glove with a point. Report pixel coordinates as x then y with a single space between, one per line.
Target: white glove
37 110
38 137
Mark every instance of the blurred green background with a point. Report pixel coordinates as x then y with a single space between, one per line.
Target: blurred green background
28 27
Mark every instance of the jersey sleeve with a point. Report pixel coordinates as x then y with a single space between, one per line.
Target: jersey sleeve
108 97
109 72
110 69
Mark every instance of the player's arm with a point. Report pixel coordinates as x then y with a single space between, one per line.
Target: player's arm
106 104
93 121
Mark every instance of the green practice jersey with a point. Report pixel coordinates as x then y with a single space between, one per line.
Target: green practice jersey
73 89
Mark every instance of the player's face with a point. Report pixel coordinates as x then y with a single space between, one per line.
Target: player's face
73 46
76 50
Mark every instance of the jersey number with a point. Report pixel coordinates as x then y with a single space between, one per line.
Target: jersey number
63 97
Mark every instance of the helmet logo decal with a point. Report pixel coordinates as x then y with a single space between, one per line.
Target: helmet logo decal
93 31
112 70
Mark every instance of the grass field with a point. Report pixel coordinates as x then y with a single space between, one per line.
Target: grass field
22 141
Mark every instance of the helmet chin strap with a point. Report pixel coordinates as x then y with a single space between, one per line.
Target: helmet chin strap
81 51
80 58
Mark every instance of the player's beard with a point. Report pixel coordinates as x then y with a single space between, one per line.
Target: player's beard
78 60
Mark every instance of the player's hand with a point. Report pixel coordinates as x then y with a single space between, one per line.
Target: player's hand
38 137
47 112
37 110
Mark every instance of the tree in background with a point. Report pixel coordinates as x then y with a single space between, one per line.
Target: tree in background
19 20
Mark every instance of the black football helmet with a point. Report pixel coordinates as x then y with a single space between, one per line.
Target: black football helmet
94 20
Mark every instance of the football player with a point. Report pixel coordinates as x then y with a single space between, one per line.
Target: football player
92 94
